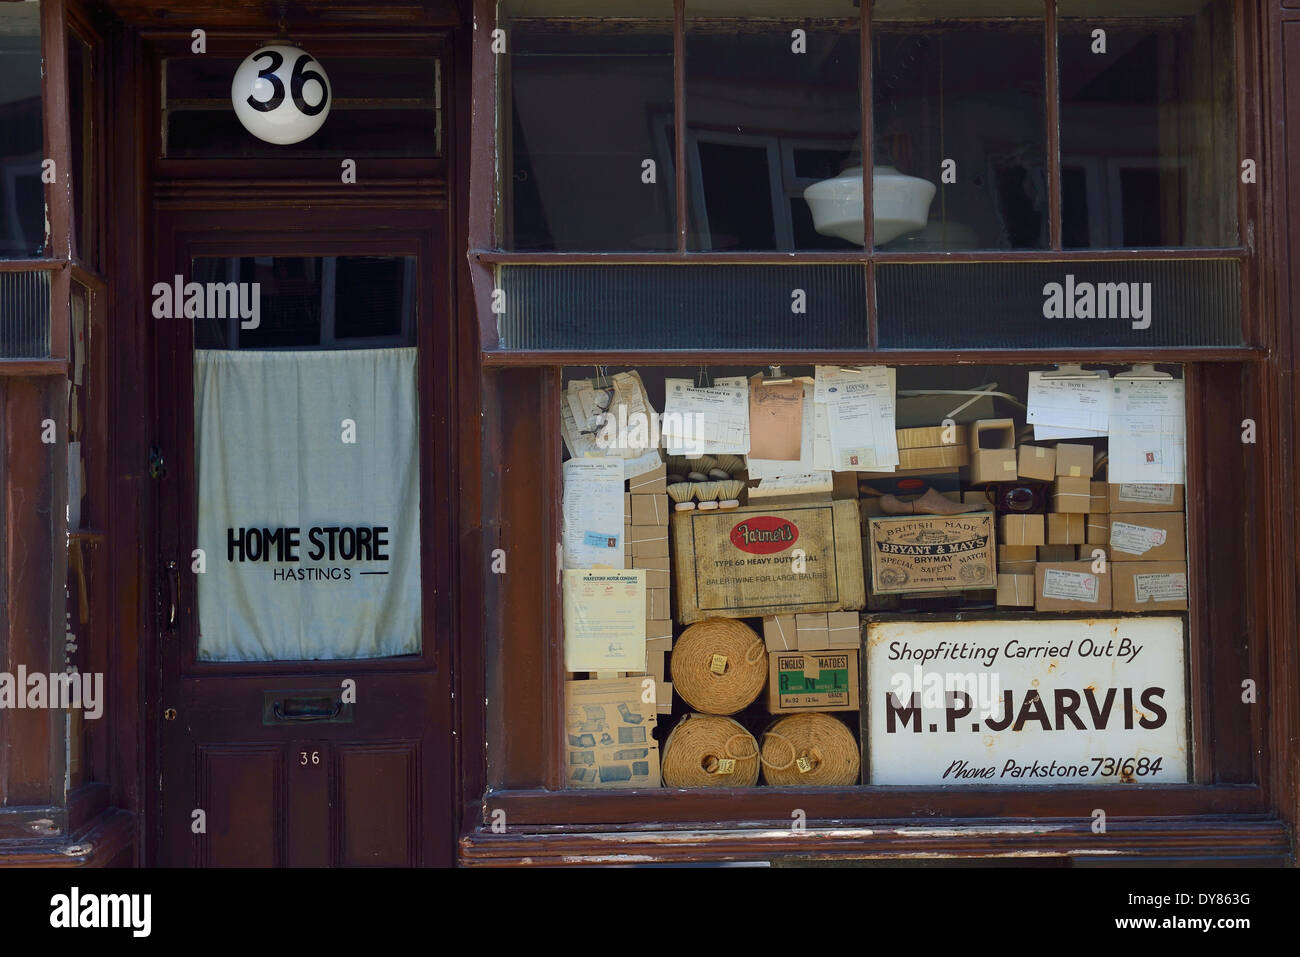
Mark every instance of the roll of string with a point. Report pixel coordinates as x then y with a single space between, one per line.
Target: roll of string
811 750
709 751
719 666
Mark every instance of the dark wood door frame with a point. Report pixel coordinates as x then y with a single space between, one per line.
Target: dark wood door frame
183 228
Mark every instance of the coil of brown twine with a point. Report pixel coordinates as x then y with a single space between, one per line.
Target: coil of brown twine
709 751
719 666
815 750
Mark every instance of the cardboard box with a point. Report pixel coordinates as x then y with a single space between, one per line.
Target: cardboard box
1070 586
1016 591
659 646
1098 531
812 681
656 604
811 633
1145 498
933 457
932 437
920 553
1071 495
1098 498
992 451
1074 461
844 629
649 541
1064 529
663 696
656 480
1150 586
1058 553
627 508
656 564
740 563
1037 462
650 510
1148 537
779 633
658 629
1017 559
1022 530
655 578
657 666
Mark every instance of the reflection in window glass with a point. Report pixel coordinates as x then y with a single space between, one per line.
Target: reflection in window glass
771 113
306 302
22 196
1147 124
84 133
591 105
966 98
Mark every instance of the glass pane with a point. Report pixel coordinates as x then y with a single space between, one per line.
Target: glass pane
998 549
382 106
1148 124
960 126
22 196
81 106
589 132
773 115
297 302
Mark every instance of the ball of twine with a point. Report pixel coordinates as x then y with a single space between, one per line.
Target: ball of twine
694 753
810 750
719 666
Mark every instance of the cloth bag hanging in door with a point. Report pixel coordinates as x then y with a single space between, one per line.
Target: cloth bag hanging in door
308 504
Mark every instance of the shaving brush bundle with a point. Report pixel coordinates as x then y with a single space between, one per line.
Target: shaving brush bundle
707 482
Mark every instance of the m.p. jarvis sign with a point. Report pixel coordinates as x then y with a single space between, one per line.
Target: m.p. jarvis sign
998 703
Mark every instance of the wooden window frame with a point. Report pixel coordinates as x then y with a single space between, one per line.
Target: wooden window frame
522 775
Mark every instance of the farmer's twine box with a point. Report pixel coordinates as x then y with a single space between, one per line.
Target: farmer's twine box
812 681
749 562
919 553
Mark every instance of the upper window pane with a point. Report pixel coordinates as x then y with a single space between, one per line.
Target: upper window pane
22 197
1148 124
960 126
381 107
587 124
772 111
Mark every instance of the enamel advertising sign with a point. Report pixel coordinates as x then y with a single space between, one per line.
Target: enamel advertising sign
1026 703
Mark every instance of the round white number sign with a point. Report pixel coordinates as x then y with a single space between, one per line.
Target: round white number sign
281 94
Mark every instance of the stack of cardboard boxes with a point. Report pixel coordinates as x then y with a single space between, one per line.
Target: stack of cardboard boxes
646 508
1147 540
812 661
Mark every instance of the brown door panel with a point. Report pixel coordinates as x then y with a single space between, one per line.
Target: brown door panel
311 793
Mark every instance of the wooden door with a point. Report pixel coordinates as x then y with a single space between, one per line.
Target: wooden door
272 760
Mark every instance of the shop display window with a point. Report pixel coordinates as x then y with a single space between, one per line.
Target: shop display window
941 575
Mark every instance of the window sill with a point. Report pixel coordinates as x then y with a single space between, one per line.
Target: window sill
1246 840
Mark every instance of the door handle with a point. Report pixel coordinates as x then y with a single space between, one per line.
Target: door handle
173 579
298 709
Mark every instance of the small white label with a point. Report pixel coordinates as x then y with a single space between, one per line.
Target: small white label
1150 494
1165 586
1070 586
1135 539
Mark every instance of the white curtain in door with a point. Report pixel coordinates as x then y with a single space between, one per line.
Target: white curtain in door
321 449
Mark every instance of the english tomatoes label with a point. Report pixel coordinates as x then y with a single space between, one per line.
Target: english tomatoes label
764 535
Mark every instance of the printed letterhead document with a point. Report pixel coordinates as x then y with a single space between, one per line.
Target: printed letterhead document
1147 432
604 620
705 420
592 524
1068 408
860 419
